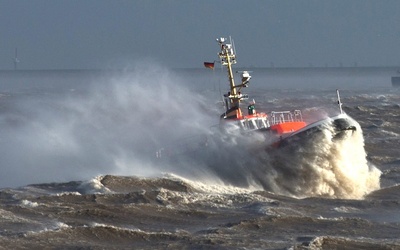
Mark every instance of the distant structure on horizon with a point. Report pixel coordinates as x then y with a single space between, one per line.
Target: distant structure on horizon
396 81
16 61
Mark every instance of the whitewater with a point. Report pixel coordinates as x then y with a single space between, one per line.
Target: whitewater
81 165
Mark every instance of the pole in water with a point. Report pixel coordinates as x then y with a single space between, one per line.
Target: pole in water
339 102
16 61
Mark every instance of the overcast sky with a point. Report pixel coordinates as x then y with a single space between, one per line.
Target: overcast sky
74 34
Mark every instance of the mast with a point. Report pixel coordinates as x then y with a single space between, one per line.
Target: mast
227 57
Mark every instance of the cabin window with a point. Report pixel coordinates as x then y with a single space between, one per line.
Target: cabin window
265 124
242 125
252 124
260 123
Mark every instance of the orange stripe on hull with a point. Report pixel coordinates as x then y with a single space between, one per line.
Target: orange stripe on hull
288 127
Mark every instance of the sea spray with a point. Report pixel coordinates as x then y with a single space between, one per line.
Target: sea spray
335 167
112 124
355 176
116 124
321 165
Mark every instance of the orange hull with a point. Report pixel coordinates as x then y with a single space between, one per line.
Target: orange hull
288 127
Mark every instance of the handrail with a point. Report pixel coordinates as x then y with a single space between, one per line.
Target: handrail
285 116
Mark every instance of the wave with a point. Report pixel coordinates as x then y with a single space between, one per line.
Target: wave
320 166
177 212
389 193
331 242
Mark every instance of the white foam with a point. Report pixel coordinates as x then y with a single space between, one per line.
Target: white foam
61 225
390 133
344 209
56 226
68 193
94 186
131 229
215 195
212 184
27 203
324 166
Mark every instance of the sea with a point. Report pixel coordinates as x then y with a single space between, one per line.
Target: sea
127 159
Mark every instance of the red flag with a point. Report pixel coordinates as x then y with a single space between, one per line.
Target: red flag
209 65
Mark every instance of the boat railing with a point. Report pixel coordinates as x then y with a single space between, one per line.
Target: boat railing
285 116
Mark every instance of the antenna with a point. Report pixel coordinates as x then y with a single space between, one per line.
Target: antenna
339 102
233 45
16 61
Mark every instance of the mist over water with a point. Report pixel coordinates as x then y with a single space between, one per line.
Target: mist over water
111 125
115 122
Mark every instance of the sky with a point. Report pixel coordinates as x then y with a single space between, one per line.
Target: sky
97 34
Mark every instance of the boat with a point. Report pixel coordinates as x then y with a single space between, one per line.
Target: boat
278 128
283 125
279 122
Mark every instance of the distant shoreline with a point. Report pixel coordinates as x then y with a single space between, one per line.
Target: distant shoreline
196 68
390 69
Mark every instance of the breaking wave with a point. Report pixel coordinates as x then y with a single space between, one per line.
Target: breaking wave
322 166
327 166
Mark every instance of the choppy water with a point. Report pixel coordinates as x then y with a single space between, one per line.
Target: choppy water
79 167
